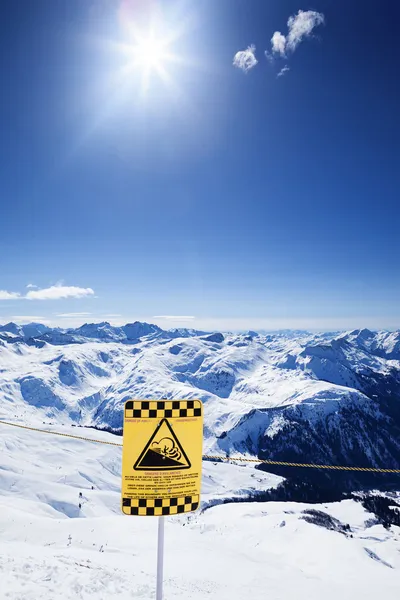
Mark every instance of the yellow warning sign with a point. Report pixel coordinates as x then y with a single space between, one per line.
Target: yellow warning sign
163 451
161 457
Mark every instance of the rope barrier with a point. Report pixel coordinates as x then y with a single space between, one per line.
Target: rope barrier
280 463
67 435
277 463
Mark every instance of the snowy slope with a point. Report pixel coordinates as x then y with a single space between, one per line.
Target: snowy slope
286 396
289 396
49 548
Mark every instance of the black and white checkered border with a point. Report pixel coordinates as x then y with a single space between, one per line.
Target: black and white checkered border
157 507
162 409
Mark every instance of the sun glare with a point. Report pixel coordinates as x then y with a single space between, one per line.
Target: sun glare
150 53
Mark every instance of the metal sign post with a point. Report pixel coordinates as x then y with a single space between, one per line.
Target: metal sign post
161 463
160 558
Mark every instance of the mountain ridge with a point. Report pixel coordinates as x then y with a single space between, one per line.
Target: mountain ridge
37 333
302 397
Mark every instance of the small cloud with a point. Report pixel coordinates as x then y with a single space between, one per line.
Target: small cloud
73 314
278 42
283 71
112 315
32 286
245 59
174 318
57 292
300 26
23 319
4 295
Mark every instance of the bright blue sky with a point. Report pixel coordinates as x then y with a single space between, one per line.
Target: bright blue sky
242 199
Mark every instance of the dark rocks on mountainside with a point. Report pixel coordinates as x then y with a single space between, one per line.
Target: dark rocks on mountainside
35 342
60 338
175 349
37 393
217 381
289 362
10 338
11 328
322 519
68 373
386 510
217 338
104 357
136 330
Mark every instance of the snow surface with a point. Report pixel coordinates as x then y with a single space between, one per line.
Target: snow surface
49 548
331 397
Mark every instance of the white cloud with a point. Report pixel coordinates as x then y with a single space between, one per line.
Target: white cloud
4 295
174 318
245 59
112 315
283 71
300 26
313 324
73 314
278 42
57 292
23 319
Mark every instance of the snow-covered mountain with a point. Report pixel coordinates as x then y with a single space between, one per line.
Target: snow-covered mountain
288 396
12 331
36 334
331 398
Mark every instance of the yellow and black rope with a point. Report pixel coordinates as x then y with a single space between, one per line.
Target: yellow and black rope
277 463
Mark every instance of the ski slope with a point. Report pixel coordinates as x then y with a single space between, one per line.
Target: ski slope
49 548
293 395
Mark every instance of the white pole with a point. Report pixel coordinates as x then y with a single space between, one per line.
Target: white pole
160 558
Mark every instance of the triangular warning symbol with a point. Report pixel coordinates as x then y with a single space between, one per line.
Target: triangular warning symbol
163 451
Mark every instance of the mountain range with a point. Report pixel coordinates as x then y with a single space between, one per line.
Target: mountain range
292 396
323 398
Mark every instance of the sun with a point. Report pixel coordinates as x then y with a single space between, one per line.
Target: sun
150 53
150 56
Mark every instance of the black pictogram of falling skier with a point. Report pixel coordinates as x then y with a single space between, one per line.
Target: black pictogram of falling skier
163 451
166 447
